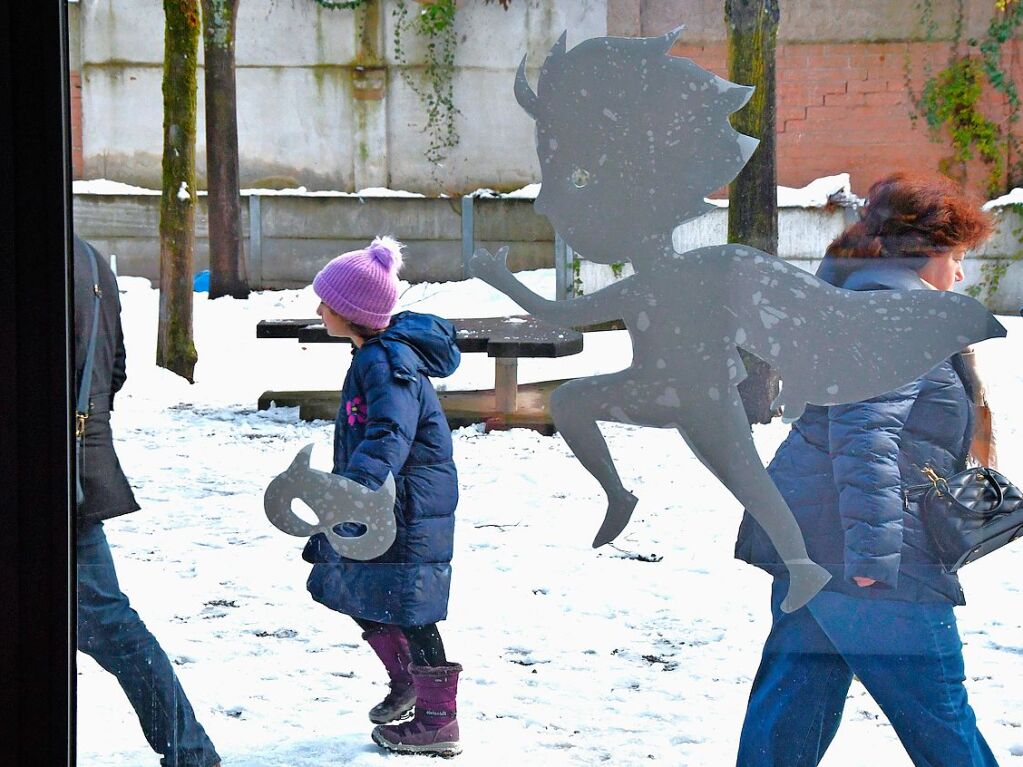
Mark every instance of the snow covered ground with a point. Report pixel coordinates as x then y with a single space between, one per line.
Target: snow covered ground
572 656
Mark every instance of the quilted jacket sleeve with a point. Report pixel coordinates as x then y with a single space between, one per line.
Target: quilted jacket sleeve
864 440
392 415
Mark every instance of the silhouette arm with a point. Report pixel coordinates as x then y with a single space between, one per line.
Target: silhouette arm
604 305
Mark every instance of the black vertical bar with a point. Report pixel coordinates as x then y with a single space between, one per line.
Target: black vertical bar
36 631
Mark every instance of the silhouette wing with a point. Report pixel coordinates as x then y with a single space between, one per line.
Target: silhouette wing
832 346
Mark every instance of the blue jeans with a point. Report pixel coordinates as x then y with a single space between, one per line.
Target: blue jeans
907 655
111 632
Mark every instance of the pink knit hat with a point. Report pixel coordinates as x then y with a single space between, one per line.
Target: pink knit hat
362 285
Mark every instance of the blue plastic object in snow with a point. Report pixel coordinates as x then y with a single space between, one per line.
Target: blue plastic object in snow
201 283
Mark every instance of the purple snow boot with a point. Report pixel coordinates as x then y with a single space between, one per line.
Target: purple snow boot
391 647
435 728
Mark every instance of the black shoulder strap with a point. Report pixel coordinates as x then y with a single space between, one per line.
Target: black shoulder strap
83 390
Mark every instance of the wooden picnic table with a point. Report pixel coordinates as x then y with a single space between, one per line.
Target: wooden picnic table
506 339
509 404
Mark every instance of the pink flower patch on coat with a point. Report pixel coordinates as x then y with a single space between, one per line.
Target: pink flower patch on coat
356 411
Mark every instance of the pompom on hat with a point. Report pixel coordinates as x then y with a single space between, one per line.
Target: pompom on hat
362 285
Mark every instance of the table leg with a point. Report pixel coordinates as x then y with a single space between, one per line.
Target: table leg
506 383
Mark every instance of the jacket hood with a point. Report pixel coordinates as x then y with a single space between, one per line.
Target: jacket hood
871 273
420 343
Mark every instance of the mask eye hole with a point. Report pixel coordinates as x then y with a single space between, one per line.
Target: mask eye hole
580 178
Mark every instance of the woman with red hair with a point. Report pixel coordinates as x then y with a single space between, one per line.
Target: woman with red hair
886 614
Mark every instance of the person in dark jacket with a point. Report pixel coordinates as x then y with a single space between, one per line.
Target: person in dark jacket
886 614
390 422
109 630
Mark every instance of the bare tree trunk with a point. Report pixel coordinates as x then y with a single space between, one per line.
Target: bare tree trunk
753 196
227 269
174 347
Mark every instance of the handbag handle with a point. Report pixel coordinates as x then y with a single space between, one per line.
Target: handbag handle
966 511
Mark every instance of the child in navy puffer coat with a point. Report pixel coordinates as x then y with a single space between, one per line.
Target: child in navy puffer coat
390 421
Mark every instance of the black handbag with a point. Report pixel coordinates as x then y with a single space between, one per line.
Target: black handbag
969 514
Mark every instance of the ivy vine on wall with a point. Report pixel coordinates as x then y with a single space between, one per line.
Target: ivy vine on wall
434 21
993 270
951 100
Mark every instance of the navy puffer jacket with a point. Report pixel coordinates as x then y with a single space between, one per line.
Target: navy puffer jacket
390 420
842 470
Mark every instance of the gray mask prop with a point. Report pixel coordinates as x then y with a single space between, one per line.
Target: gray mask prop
335 500
630 141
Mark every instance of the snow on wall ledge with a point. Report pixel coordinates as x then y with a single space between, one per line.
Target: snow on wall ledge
301 229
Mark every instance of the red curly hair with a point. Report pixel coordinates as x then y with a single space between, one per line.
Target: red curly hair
911 215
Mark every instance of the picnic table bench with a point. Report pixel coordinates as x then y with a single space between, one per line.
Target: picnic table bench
506 339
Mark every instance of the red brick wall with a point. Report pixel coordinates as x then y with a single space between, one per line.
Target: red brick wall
845 107
76 125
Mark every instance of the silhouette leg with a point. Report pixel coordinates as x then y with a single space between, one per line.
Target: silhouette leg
721 438
575 407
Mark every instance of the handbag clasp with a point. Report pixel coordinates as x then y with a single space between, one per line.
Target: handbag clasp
936 479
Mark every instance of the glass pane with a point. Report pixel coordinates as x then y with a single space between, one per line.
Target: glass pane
574 621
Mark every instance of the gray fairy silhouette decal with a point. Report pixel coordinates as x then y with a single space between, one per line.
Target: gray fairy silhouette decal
630 140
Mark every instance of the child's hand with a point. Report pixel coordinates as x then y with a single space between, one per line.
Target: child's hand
492 268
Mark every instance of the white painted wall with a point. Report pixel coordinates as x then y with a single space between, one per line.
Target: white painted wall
295 104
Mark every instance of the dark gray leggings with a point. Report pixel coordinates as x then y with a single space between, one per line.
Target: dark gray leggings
424 642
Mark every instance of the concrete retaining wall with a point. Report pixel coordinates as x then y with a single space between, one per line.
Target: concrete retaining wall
297 235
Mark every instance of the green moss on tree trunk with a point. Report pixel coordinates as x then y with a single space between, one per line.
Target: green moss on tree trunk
753 196
227 269
174 347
